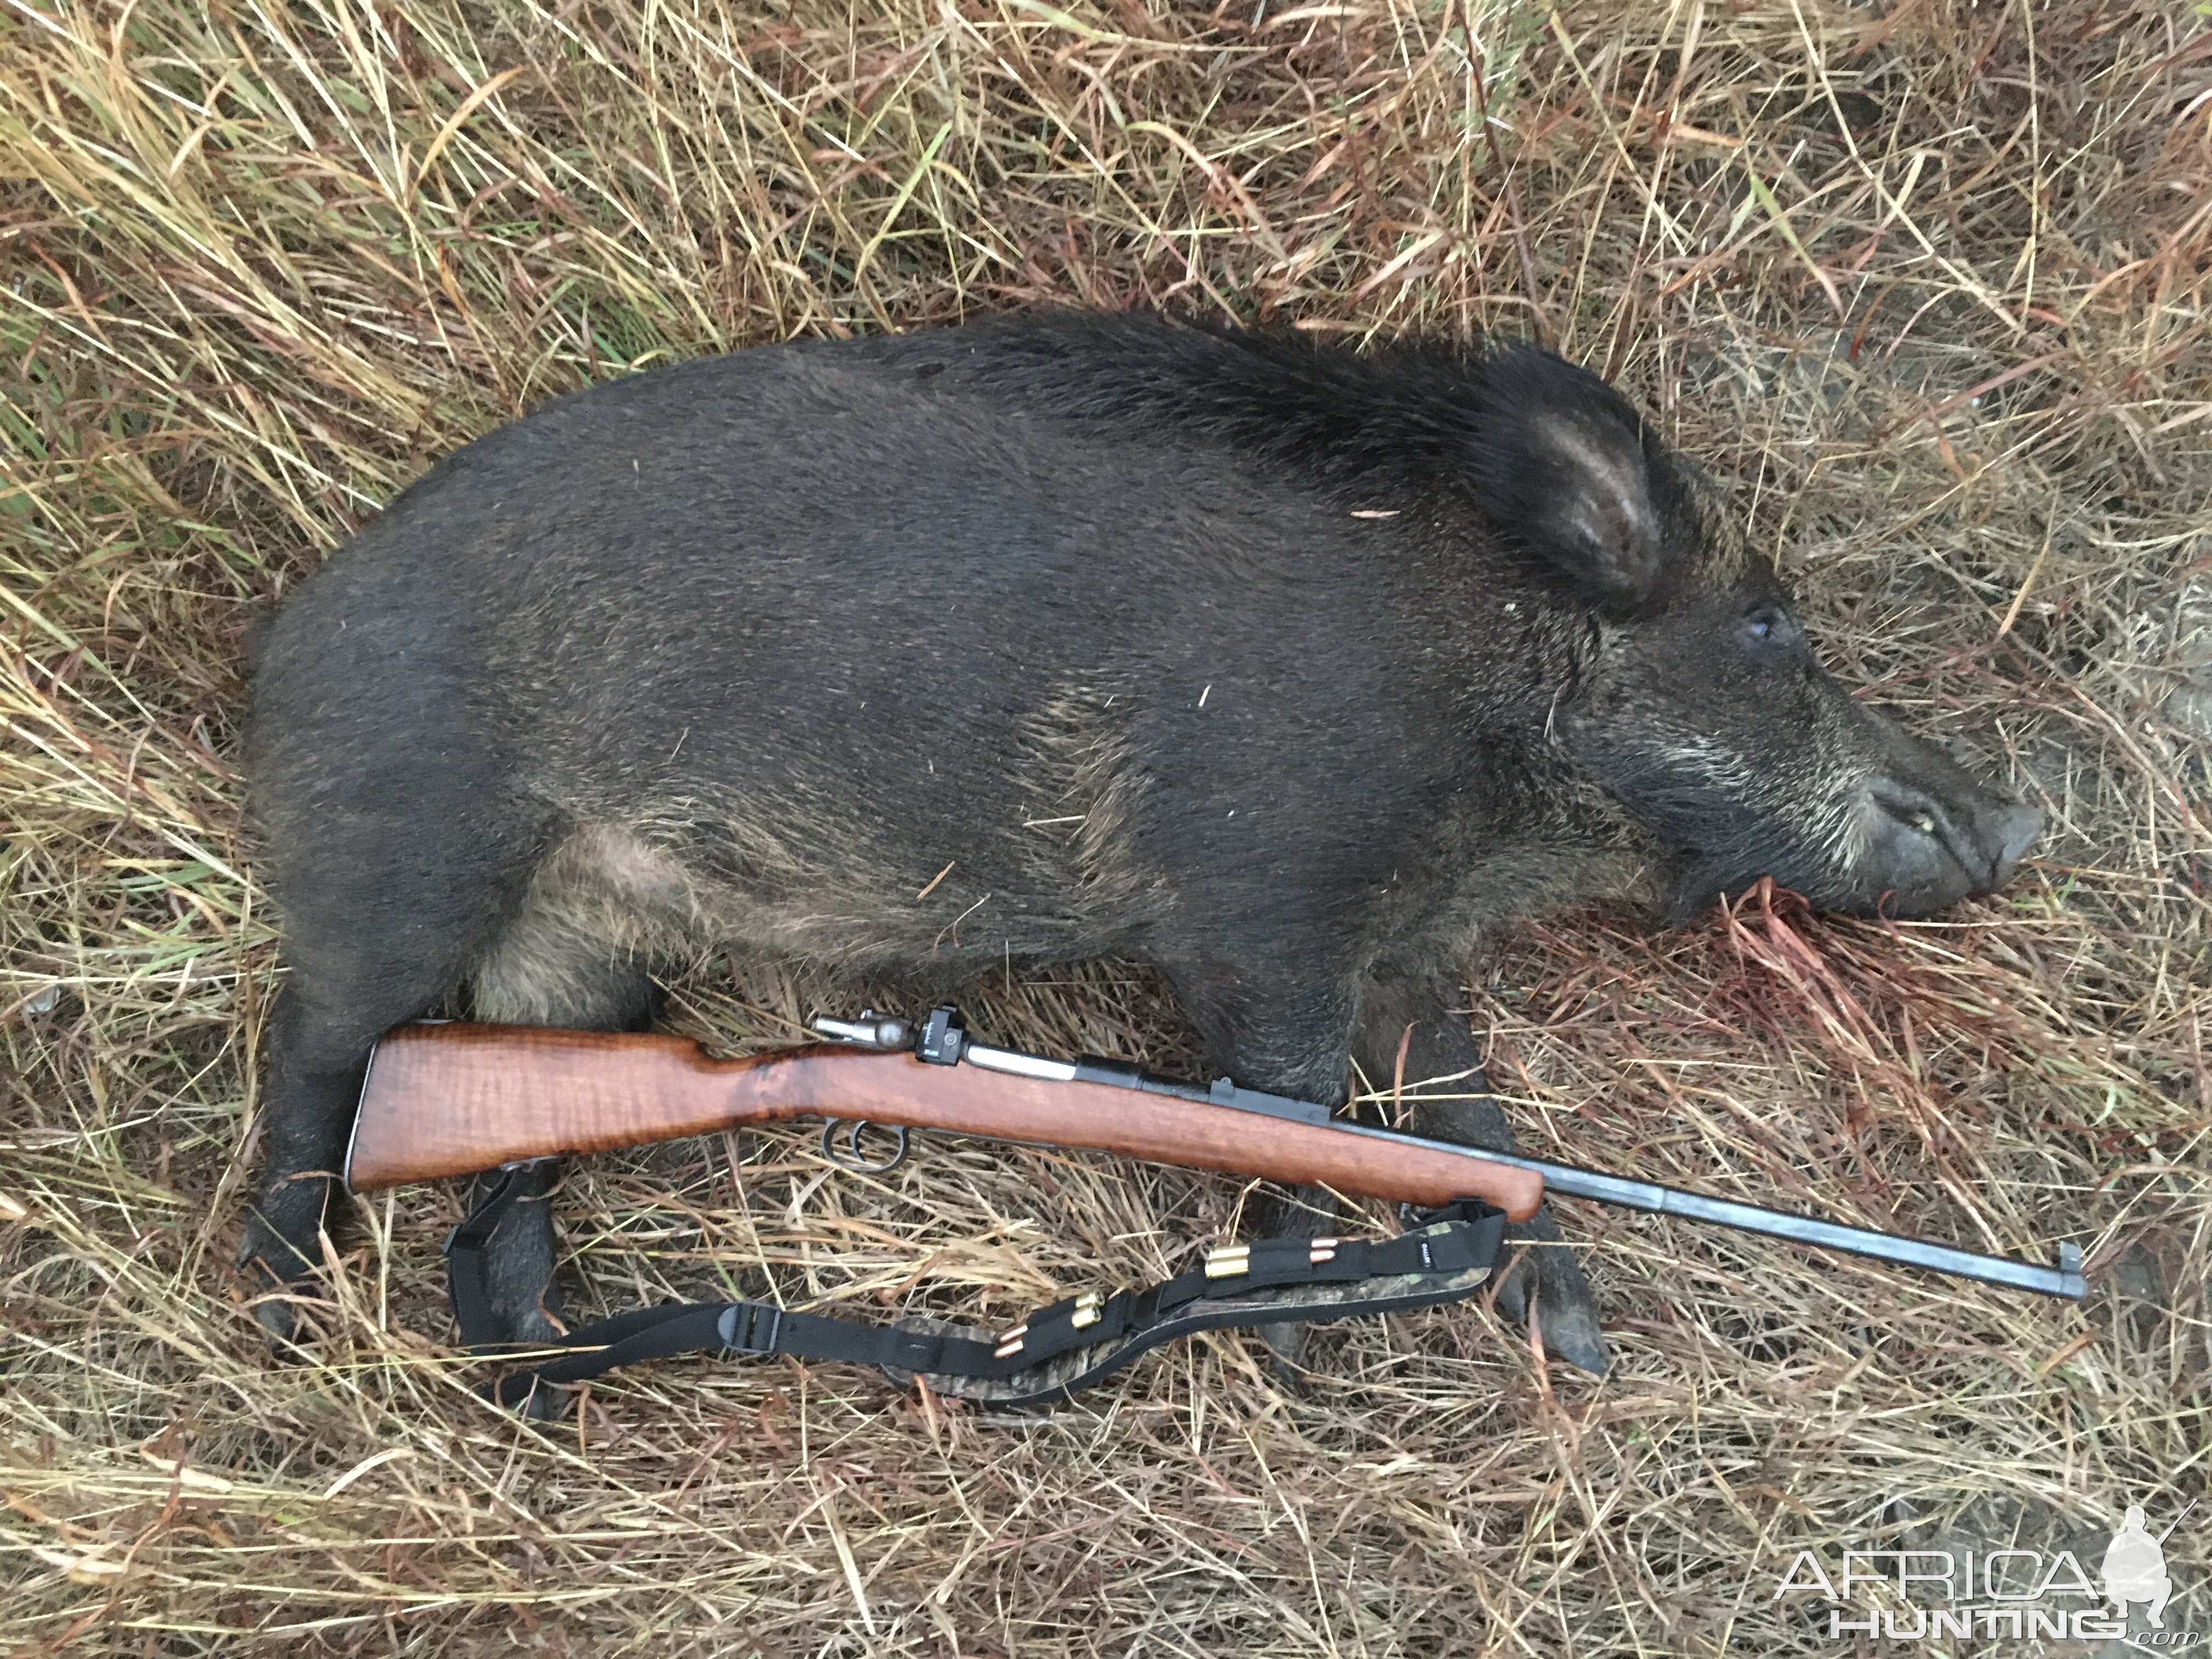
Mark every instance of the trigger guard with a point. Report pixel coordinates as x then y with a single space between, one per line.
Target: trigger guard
851 1161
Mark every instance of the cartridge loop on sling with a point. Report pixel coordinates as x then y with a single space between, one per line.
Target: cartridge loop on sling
1227 1260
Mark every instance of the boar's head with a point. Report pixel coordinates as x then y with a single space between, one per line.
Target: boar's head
1697 702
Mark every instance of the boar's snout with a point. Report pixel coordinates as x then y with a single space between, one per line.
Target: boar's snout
1778 771
1932 836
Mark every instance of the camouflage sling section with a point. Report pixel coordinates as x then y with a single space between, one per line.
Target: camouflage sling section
1447 1256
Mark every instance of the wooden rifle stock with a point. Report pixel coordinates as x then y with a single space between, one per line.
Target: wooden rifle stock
456 1098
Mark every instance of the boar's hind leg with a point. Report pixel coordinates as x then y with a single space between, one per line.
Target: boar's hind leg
316 1057
381 901
1441 1047
364 956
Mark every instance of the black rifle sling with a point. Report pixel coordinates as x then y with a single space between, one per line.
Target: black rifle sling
1447 1257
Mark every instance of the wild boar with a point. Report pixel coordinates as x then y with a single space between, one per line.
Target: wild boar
1292 670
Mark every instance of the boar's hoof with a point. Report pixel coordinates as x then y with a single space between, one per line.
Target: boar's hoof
1286 1352
273 1294
275 1316
274 1303
281 1250
1551 1277
1569 1330
543 1404
1296 1212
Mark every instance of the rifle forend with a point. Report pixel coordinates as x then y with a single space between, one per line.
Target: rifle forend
456 1098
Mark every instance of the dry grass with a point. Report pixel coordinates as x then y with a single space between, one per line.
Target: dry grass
1927 286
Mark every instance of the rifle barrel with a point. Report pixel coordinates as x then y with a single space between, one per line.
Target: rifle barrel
2063 1280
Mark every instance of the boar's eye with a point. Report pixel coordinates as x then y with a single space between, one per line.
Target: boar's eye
1769 624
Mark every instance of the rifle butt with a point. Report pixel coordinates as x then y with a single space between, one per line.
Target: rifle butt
454 1097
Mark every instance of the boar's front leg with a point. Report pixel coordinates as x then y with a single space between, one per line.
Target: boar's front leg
1441 1047
1273 1027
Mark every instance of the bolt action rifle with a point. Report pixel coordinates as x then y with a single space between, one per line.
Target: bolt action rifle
451 1098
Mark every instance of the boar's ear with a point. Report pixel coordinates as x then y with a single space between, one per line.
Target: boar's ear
1565 470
